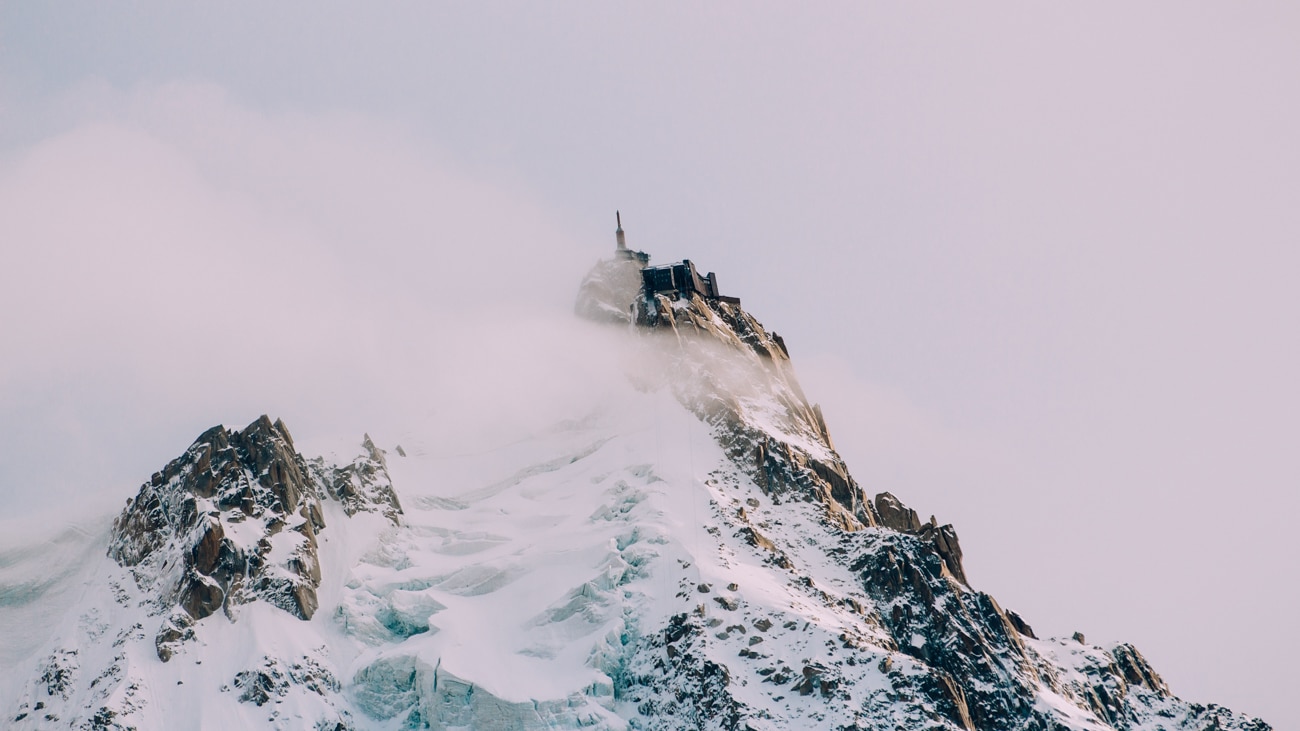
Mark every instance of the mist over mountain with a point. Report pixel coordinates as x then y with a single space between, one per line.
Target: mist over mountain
1036 263
672 541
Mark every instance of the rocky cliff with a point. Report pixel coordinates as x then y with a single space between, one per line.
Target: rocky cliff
944 654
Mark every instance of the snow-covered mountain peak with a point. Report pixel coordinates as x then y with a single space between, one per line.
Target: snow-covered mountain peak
691 554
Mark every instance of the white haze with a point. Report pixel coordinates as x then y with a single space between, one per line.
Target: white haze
177 261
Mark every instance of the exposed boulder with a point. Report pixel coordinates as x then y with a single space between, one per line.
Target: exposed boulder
200 595
818 678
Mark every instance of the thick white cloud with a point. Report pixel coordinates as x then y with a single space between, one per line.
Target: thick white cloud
176 260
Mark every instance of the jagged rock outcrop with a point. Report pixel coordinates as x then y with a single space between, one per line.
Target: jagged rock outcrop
235 520
896 516
205 532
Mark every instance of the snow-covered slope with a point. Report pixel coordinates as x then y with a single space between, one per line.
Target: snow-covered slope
691 554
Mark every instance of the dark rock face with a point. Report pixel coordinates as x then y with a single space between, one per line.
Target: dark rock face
1021 625
234 520
896 516
980 675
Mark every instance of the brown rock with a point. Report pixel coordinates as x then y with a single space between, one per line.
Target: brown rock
1137 671
201 596
896 516
945 542
1020 625
304 596
957 709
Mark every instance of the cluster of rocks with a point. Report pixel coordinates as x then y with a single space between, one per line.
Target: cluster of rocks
674 685
274 678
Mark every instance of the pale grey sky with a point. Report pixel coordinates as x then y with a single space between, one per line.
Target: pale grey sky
1036 261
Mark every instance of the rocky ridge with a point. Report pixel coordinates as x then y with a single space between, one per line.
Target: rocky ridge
952 657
